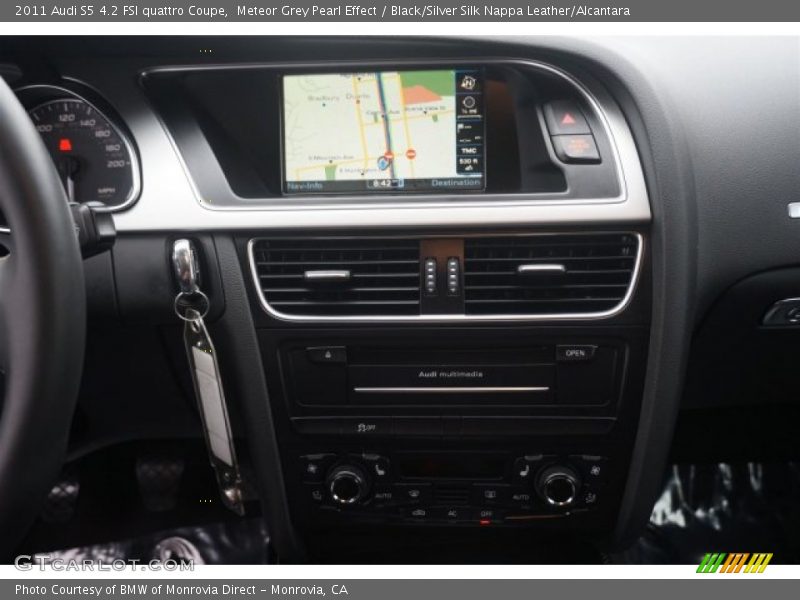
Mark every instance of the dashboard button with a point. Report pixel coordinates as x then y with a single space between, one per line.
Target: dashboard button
453 276
367 427
315 493
413 493
327 354
378 467
489 494
418 513
564 117
589 497
575 353
431 273
525 468
454 514
313 466
576 148
384 495
521 497
594 469
487 515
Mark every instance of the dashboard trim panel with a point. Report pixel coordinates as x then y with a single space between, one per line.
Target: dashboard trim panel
632 205
448 318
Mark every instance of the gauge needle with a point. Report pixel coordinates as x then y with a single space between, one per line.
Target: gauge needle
69 169
70 186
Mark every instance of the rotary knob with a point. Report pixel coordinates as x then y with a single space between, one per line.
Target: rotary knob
558 486
347 484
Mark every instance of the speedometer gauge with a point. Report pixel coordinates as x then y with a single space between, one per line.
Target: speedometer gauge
93 158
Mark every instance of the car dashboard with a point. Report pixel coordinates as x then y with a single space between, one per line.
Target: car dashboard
454 285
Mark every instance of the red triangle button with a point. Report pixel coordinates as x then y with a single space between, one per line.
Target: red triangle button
568 119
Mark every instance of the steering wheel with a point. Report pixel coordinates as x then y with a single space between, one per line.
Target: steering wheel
42 322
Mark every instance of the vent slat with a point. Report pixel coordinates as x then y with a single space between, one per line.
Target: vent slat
540 300
598 273
300 275
571 272
384 276
344 303
586 286
543 241
304 249
295 290
333 261
544 259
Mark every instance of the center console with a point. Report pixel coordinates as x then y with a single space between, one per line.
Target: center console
449 271
510 402
495 427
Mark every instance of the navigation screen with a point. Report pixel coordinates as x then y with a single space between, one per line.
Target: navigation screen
385 131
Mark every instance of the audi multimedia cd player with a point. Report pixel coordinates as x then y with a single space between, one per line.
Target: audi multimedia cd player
330 376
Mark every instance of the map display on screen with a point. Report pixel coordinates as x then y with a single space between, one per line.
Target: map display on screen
385 131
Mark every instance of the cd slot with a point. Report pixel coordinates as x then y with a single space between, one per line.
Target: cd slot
451 384
448 390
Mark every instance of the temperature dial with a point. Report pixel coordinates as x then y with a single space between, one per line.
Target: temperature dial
558 485
347 484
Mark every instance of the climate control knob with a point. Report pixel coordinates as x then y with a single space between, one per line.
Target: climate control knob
347 484
558 485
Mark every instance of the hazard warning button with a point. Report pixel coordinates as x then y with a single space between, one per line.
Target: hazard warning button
576 148
564 118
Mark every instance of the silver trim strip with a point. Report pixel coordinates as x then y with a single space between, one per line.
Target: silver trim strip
332 275
432 318
447 390
528 269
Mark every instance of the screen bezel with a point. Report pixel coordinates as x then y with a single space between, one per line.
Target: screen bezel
444 190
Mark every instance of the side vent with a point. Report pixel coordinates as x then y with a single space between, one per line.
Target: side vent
339 277
549 274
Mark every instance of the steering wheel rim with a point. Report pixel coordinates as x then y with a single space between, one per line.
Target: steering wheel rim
42 322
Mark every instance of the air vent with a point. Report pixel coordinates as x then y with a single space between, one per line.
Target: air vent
339 277
549 274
